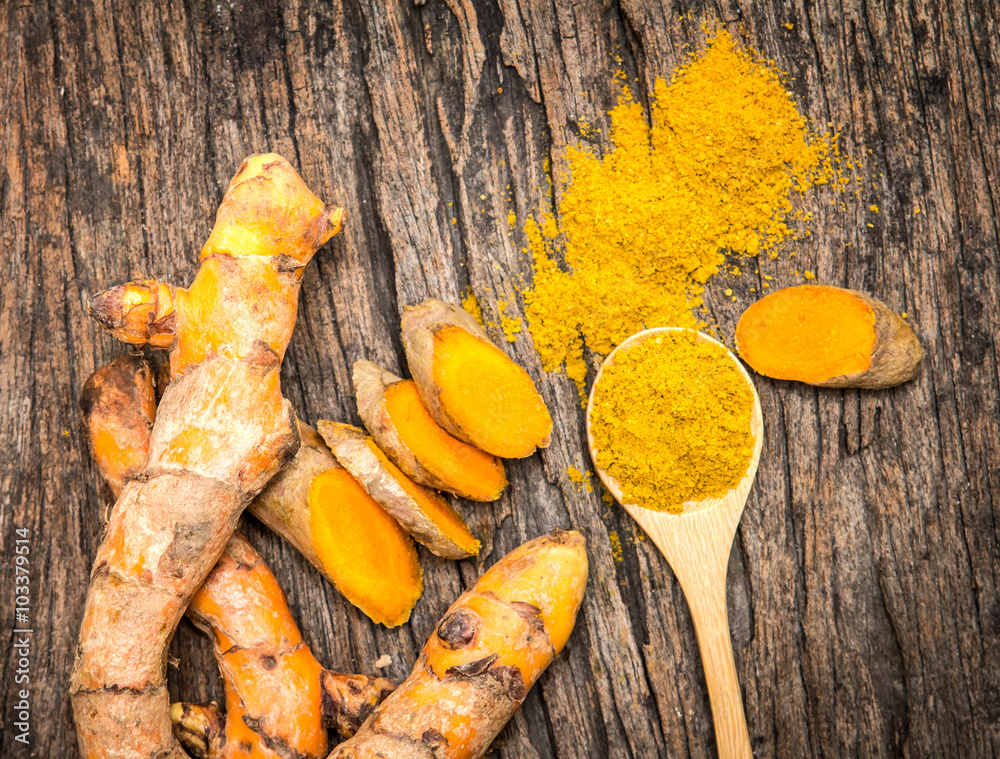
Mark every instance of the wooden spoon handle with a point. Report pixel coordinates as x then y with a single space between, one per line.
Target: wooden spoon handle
711 624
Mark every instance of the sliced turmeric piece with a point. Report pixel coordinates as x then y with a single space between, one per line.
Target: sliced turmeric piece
119 406
424 514
399 422
470 386
329 526
828 336
380 570
485 654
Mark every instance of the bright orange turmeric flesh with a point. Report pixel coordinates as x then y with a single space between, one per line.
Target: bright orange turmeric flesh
380 569
483 657
222 431
469 386
402 427
492 399
424 514
827 336
448 458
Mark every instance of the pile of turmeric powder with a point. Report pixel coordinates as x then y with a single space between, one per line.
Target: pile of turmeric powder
670 421
644 228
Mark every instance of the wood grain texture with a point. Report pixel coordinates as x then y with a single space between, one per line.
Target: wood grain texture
863 586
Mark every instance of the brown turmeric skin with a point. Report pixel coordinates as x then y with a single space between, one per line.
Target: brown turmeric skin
118 402
279 699
222 431
485 654
828 336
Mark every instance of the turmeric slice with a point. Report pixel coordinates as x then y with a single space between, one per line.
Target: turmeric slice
424 514
277 694
470 386
333 523
119 406
485 654
379 575
397 419
828 336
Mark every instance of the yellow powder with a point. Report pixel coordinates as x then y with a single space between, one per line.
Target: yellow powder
471 304
643 228
616 545
580 479
511 325
671 421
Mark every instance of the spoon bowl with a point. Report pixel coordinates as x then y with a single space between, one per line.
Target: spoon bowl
696 543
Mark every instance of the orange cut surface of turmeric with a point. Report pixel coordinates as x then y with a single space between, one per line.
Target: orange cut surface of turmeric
378 565
437 509
808 333
489 396
448 458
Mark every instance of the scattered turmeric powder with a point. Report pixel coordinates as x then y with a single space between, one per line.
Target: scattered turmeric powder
616 546
471 304
580 479
670 420
646 226
511 325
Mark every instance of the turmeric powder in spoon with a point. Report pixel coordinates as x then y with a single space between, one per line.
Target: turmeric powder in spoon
671 421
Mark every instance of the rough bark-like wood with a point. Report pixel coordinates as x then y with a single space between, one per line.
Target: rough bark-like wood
864 582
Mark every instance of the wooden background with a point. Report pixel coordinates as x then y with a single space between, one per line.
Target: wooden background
864 579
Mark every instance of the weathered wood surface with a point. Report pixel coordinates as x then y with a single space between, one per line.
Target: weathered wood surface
864 580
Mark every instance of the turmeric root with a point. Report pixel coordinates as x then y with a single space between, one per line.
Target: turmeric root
828 336
469 386
483 657
276 692
222 431
343 532
424 514
118 402
396 418
279 699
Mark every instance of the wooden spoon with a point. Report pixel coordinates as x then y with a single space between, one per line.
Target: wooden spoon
696 544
